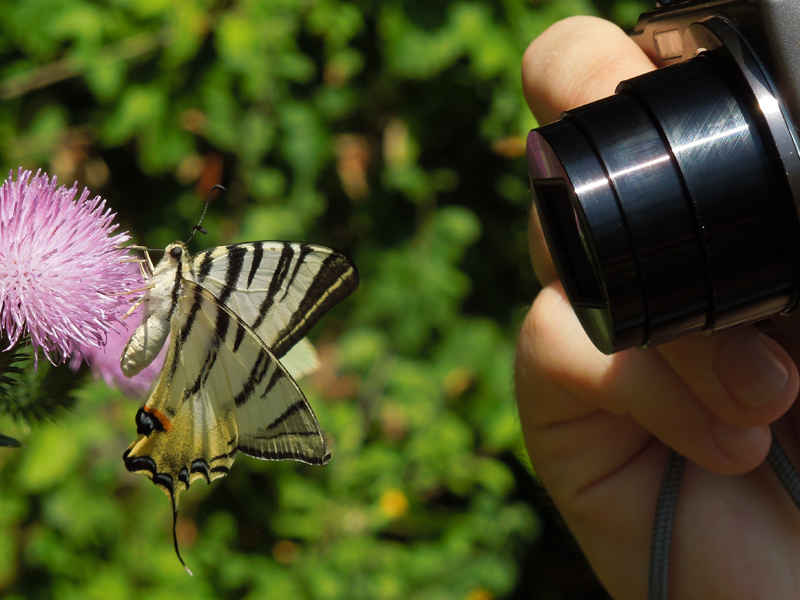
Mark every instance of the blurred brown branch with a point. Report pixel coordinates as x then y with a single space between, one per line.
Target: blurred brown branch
70 67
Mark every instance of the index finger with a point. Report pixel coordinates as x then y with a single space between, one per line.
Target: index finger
574 62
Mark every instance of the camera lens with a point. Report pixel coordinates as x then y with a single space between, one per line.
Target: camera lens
587 253
666 207
573 244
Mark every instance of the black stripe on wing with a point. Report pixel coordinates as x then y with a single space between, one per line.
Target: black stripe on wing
197 300
336 279
146 465
200 466
273 380
176 292
221 326
205 264
285 455
257 373
239 336
236 256
305 250
231 454
281 269
292 410
258 254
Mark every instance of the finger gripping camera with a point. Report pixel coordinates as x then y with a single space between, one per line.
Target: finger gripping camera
671 207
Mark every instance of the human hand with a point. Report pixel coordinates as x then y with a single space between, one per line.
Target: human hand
598 428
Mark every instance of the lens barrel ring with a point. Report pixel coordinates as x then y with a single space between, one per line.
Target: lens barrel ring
719 33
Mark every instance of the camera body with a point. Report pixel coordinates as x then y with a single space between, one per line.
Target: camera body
672 206
769 26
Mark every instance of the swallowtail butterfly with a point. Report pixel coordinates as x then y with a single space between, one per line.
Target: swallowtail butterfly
231 313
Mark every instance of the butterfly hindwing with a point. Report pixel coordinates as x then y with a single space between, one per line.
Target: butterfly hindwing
277 423
187 431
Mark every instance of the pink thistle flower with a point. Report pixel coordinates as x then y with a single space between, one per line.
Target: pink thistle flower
105 361
60 268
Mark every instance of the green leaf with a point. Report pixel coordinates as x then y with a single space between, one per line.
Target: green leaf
9 442
140 111
53 455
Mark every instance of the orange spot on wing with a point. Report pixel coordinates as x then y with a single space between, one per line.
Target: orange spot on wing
165 422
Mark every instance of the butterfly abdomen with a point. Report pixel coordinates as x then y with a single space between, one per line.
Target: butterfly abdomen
160 301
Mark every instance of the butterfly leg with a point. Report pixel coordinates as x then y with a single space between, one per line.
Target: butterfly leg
134 307
146 255
142 262
125 293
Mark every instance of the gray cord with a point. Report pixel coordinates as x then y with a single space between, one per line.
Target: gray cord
784 469
658 577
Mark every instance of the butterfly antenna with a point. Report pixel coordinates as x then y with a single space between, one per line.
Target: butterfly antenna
175 533
208 200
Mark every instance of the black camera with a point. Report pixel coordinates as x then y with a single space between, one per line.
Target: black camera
672 206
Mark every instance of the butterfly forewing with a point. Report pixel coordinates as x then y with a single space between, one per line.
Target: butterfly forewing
279 289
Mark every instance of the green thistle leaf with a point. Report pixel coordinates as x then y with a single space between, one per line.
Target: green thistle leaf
33 394
10 372
9 442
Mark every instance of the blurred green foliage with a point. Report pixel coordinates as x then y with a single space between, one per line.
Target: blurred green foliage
392 131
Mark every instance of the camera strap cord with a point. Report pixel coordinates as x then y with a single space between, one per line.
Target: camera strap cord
658 577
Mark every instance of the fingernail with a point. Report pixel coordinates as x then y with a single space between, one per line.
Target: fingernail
740 443
750 371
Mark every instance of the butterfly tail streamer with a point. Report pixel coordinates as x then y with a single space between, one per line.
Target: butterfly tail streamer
171 487
174 500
